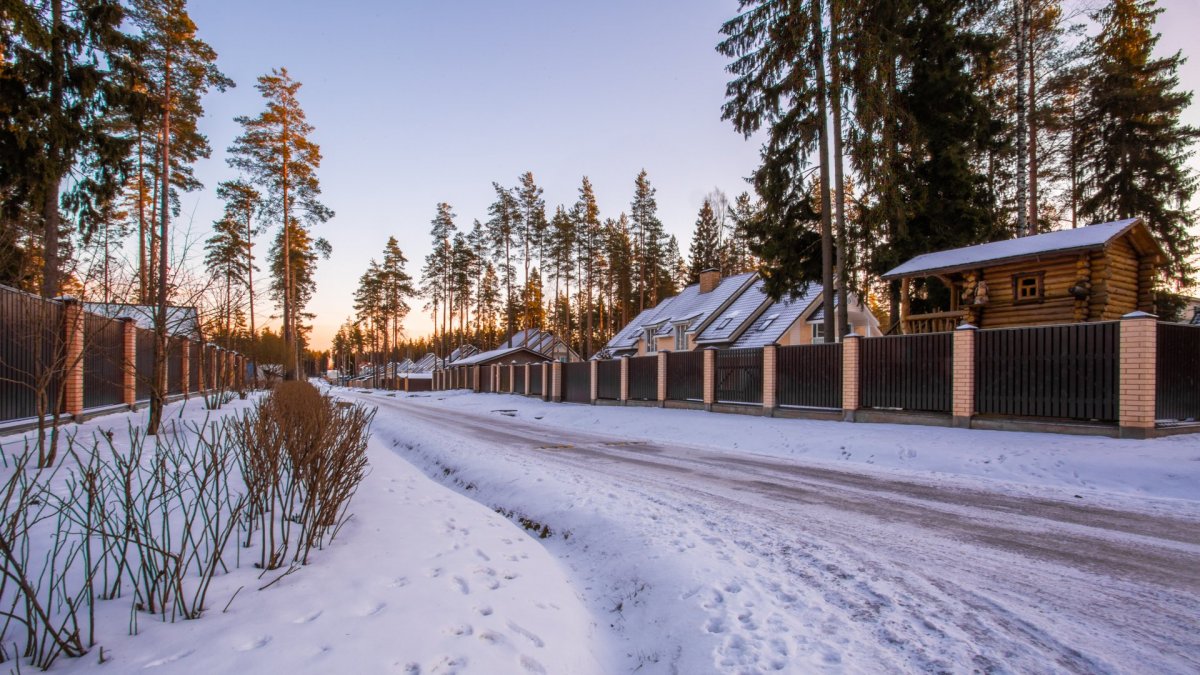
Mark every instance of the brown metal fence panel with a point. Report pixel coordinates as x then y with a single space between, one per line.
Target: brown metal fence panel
420 384
577 382
535 379
643 378
739 375
1068 372
685 376
1178 378
144 363
809 376
174 366
907 372
485 378
103 354
504 379
519 380
194 383
31 354
608 376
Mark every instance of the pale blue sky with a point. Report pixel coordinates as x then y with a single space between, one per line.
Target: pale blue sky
420 102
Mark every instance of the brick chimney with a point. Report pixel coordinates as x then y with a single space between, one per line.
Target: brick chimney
709 279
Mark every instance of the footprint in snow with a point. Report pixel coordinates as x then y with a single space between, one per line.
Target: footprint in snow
461 583
491 637
169 659
484 610
398 582
308 618
461 630
257 643
532 637
531 665
375 609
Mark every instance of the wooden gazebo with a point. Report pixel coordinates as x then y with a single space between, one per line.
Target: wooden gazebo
1094 273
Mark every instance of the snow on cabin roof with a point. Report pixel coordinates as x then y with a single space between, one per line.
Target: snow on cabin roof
1061 241
769 327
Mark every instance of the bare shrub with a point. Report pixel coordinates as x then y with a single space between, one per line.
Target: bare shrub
304 457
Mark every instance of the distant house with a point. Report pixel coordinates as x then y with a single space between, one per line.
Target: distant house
525 346
1191 312
461 352
181 321
1094 273
733 312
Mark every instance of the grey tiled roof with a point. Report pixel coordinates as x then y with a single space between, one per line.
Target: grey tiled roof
724 326
627 337
776 319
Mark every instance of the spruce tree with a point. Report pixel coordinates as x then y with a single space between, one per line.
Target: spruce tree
227 263
1134 144
67 74
277 154
242 202
706 247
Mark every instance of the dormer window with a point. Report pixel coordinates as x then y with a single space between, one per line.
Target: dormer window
651 343
681 338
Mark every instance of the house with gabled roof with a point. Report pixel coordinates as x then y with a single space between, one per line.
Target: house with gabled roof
461 352
676 322
733 312
525 346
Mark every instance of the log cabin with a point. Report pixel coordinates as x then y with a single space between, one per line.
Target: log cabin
1094 273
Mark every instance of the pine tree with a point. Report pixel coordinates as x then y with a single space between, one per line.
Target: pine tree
706 247
242 202
589 242
180 69
532 228
1134 144
226 259
278 156
649 241
397 285
437 274
562 247
502 226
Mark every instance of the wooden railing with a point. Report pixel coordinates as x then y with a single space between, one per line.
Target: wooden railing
934 322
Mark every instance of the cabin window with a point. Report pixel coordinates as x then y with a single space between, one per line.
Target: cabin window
681 338
1028 287
651 343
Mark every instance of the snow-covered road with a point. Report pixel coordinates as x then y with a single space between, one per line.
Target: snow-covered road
700 558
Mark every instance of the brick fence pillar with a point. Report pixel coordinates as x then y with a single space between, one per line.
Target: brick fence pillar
770 398
475 379
662 378
851 345
594 380
1138 371
710 377
963 375
129 361
546 372
528 384
556 381
623 396
512 378
72 356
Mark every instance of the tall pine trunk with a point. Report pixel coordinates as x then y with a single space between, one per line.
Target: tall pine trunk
843 309
818 45
51 220
158 392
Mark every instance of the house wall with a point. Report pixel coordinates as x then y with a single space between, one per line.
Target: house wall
800 332
1115 288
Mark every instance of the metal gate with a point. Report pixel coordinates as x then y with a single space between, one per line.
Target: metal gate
1178 379
577 382
685 376
608 376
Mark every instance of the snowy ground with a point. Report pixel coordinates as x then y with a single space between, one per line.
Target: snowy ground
722 543
420 581
673 541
